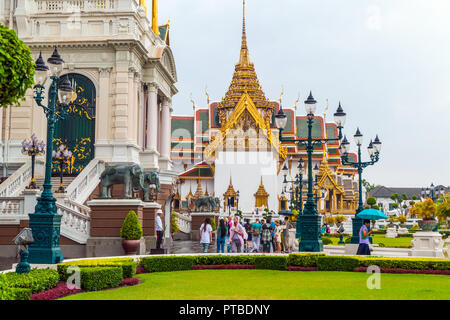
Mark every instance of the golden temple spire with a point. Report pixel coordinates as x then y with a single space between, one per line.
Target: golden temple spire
244 58
155 26
144 5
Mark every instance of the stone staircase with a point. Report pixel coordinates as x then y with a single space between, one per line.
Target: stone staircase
55 183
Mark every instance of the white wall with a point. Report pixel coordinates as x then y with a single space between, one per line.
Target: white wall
246 170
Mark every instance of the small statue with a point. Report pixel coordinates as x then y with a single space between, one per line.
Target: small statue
151 179
211 203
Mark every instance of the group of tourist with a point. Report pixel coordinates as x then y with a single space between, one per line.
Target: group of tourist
260 236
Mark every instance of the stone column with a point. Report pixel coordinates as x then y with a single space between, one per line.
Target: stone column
165 129
152 133
103 122
142 99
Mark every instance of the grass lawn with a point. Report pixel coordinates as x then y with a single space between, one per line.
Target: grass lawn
402 242
273 285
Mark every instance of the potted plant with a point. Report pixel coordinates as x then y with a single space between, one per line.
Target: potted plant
329 220
131 233
339 219
426 210
402 219
392 220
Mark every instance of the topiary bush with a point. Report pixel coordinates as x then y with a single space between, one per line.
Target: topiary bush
169 263
37 279
6 293
127 264
16 68
131 228
337 263
326 241
271 262
405 263
22 293
97 278
304 259
224 260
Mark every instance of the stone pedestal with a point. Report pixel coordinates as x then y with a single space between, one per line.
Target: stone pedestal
391 233
293 241
427 244
30 199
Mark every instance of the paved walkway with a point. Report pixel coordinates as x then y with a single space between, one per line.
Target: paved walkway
6 263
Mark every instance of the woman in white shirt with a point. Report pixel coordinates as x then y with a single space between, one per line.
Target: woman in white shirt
206 234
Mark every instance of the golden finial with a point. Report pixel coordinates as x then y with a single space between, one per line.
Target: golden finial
193 103
143 4
281 95
325 114
296 102
208 99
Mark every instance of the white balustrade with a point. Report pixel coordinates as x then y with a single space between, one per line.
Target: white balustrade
84 184
12 206
74 225
184 222
74 5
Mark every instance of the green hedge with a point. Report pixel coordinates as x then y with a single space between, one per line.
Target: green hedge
271 262
97 278
127 264
21 293
224 260
169 263
326 241
405 263
37 279
336 263
304 259
6 293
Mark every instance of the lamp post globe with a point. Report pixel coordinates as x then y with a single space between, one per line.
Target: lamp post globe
310 105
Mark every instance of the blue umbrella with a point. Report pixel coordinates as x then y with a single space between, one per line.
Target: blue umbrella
286 213
371 214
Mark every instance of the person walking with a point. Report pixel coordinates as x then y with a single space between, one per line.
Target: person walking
222 231
277 237
256 235
248 230
273 242
206 234
287 225
363 248
237 236
229 225
159 229
266 236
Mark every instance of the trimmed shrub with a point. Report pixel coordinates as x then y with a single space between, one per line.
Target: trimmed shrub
6 293
303 259
61 290
169 263
222 260
97 278
37 279
271 262
127 264
337 263
405 263
224 267
326 241
21 293
131 228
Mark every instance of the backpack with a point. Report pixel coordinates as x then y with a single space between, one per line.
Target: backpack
255 232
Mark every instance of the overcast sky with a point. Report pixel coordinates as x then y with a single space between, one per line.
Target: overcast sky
387 61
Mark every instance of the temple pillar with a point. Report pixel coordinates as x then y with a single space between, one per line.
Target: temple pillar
165 134
149 157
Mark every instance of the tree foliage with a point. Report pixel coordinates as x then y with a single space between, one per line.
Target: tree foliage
425 210
173 222
131 227
443 207
16 68
369 187
371 201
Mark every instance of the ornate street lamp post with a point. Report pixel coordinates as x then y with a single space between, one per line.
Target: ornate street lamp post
432 192
33 148
296 201
310 220
45 222
374 151
61 155
237 201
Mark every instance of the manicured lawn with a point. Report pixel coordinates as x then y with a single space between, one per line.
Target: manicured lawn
273 285
402 242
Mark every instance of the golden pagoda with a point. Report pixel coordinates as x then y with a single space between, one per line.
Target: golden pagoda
244 81
261 196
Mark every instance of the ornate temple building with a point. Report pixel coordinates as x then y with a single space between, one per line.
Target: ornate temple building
230 149
122 65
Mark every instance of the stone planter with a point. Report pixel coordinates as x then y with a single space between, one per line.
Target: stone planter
130 246
427 225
